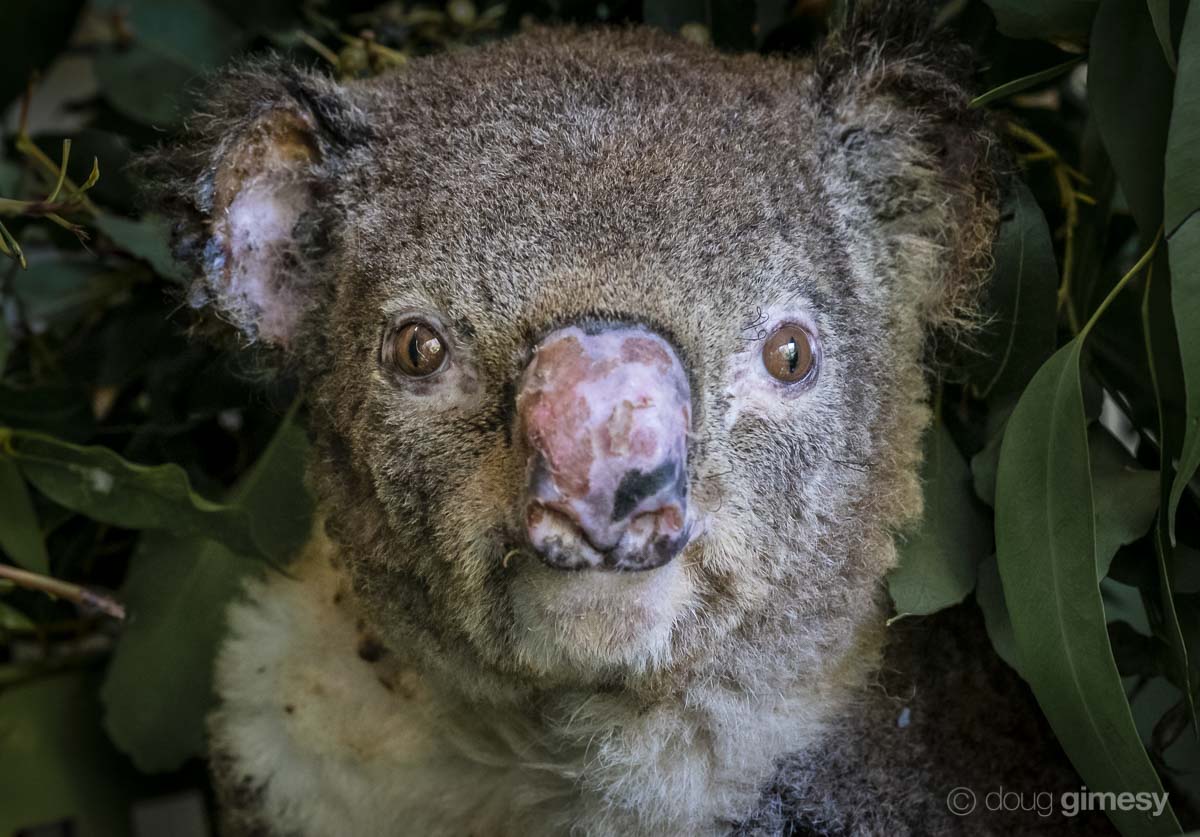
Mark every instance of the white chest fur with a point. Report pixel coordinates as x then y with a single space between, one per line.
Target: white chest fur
338 745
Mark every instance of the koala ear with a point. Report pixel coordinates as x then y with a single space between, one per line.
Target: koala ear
249 186
920 166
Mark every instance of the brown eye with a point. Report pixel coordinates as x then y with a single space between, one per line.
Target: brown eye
415 349
789 354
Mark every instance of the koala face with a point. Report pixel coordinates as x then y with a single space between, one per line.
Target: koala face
612 343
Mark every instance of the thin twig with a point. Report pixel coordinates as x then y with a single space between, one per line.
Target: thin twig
77 595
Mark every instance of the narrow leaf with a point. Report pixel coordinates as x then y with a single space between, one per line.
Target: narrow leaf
1018 85
1182 222
1160 14
1046 550
20 536
1021 332
1163 532
1126 496
1128 75
97 482
5 343
989 594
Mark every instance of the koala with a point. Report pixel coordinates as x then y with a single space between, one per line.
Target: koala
615 354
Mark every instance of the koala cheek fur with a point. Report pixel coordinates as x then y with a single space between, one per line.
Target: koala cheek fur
637 588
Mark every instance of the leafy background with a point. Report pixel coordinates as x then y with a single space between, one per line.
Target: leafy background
144 473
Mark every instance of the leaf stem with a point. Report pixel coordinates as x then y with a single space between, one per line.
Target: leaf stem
77 595
1124 280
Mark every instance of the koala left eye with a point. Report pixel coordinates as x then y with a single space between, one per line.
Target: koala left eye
415 349
790 354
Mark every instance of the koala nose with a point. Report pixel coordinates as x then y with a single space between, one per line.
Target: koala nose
606 415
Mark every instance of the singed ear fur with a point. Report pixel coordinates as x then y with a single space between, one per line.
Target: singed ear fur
248 184
925 164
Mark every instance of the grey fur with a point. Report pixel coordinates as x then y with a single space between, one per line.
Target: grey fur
622 174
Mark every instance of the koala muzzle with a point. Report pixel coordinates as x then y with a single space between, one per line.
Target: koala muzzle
606 415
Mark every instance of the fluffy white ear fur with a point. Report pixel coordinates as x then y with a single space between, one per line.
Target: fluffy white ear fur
263 188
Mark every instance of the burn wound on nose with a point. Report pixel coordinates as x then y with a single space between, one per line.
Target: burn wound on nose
646 350
606 416
637 485
553 412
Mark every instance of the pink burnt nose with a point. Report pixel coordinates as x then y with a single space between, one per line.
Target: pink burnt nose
606 415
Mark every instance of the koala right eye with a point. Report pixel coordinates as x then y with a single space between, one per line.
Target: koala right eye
415 350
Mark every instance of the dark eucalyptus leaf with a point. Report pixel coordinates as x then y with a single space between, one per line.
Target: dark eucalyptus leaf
20 535
146 238
1182 222
44 27
1129 89
159 684
56 763
938 560
1126 496
96 482
55 293
989 594
1160 14
1044 19
1046 550
5 342
1020 331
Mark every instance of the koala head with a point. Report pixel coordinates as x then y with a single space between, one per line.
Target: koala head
613 344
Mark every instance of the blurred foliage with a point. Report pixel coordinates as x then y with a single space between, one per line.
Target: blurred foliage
146 472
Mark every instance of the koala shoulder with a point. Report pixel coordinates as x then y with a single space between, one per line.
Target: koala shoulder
944 714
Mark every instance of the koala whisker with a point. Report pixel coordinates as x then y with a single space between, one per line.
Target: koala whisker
856 466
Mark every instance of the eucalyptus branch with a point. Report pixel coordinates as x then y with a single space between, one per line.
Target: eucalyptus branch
52 208
1137 268
1065 178
59 589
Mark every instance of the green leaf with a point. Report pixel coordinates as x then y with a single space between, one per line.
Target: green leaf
57 410
55 762
147 238
1135 653
173 45
1160 15
57 292
1126 496
730 22
1185 569
159 684
1128 76
1046 550
145 86
1124 603
1044 18
20 536
1182 222
984 463
1021 300
989 594
38 32
937 563
1018 85
5 342
1162 365
98 483
12 619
